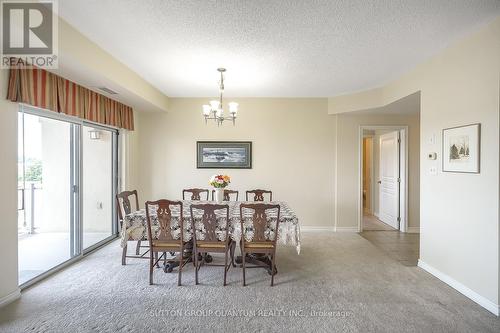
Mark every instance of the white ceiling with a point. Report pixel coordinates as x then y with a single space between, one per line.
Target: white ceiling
274 48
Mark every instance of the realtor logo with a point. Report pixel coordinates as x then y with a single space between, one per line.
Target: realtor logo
29 33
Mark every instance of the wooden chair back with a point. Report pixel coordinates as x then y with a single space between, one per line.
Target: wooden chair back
262 240
195 193
163 209
259 222
227 195
208 236
259 195
123 203
209 223
170 235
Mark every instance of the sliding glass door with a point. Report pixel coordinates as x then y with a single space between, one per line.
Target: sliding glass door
98 171
45 188
66 184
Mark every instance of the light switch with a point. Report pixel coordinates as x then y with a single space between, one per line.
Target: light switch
432 139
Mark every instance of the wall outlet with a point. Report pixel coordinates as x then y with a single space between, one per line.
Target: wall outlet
433 170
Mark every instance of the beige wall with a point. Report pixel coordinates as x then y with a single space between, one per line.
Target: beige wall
459 213
461 86
347 160
8 191
293 152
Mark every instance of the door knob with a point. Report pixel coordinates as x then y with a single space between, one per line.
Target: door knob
380 182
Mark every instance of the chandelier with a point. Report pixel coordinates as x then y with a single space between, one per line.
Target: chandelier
214 110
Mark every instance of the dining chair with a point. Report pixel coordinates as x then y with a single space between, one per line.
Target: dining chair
259 234
124 208
208 236
227 195
259 195
195 193
164 239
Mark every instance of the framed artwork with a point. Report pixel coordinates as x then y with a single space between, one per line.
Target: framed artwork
461 148
224 155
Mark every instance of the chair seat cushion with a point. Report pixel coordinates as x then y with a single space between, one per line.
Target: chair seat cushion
166 244
259 245
205 244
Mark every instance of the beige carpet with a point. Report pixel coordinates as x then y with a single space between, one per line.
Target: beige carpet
400 246
340 282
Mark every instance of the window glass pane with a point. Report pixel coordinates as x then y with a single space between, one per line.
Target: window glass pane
44 227
97 184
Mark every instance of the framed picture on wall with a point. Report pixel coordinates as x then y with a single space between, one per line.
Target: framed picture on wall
461 148
224 155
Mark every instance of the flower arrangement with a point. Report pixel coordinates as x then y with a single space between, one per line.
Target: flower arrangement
219 181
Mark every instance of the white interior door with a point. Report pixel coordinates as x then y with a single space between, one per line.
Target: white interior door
388 181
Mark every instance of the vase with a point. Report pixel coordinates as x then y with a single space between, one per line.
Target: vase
219 195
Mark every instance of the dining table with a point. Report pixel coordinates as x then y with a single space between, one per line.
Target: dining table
134 227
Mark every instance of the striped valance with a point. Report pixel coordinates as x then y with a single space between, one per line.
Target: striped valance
37 87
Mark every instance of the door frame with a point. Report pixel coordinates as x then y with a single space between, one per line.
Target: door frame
403 166
372 181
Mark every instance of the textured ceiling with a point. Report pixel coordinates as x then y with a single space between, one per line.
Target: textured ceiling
274 48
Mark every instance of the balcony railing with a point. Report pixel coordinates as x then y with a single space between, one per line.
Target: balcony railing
27 199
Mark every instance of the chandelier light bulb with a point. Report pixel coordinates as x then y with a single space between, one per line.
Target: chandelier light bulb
206 110
215 105
233 108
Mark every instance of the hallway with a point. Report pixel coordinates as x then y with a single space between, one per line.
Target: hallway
400 246
372 223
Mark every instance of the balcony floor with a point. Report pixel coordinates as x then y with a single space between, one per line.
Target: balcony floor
42 251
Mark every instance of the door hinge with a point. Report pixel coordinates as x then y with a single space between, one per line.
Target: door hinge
399 180
399 219
399 140
75 188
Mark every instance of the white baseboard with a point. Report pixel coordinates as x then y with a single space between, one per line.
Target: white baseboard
307 228
466 291
10 297
346 229
413 230
376 214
